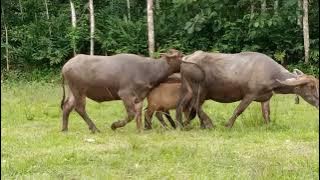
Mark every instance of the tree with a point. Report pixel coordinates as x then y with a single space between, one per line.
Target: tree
306 31
211 25
275 7
299 17
47 13
91 27
251 9
263 6
20 6
150 27
74 25
128 8
7 46
7 43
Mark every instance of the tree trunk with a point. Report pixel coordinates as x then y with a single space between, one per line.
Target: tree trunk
91 27
7 46
275 7
74 25
128 8
47 12
20 6
150 27
263 6
306 31
299 17
7 42
251 9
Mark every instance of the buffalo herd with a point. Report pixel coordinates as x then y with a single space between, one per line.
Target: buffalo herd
180 82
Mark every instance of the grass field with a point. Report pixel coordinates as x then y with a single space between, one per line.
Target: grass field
32 146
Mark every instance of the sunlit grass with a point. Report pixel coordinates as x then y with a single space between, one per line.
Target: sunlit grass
33 147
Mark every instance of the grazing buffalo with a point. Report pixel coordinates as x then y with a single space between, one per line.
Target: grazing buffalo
125 77
245 77
164 98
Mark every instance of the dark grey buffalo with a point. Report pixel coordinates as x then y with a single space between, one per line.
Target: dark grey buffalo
245 77
125 77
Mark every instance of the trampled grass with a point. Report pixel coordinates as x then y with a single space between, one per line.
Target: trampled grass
33 147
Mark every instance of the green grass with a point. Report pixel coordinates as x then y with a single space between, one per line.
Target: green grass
32 146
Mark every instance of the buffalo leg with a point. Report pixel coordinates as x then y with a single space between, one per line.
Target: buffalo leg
179 114
205 121
265 107
183 102
131 114
189 113
240 108
190 116
67 108
160 118
296 99
80 109
171 121
148 119
129 105
185 97
138 113
187 118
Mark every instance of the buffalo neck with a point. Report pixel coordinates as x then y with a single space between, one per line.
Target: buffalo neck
159 71
283 89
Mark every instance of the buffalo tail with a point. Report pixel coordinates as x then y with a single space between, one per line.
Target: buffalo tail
64 94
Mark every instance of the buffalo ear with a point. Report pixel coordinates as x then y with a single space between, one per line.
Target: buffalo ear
172 54
298 72
163 55
168 56
293 81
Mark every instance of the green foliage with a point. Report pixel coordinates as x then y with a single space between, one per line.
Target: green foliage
305 68
279 56
226 26
122 36
48 75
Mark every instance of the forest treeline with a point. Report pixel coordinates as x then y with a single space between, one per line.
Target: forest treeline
46 33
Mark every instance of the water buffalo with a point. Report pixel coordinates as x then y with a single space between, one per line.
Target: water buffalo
164 98
246 76
125 77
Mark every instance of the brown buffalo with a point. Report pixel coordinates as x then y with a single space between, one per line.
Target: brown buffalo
245 77
125 77
164 98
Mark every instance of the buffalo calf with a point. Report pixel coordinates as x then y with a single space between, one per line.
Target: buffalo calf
164 98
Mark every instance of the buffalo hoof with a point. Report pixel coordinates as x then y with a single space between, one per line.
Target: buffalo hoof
94 130
140 130
202 126
185 124
114 126
147 128
208 125
187 128
207 128
228 125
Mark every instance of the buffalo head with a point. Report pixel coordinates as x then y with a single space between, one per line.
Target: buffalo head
305 86
173 58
